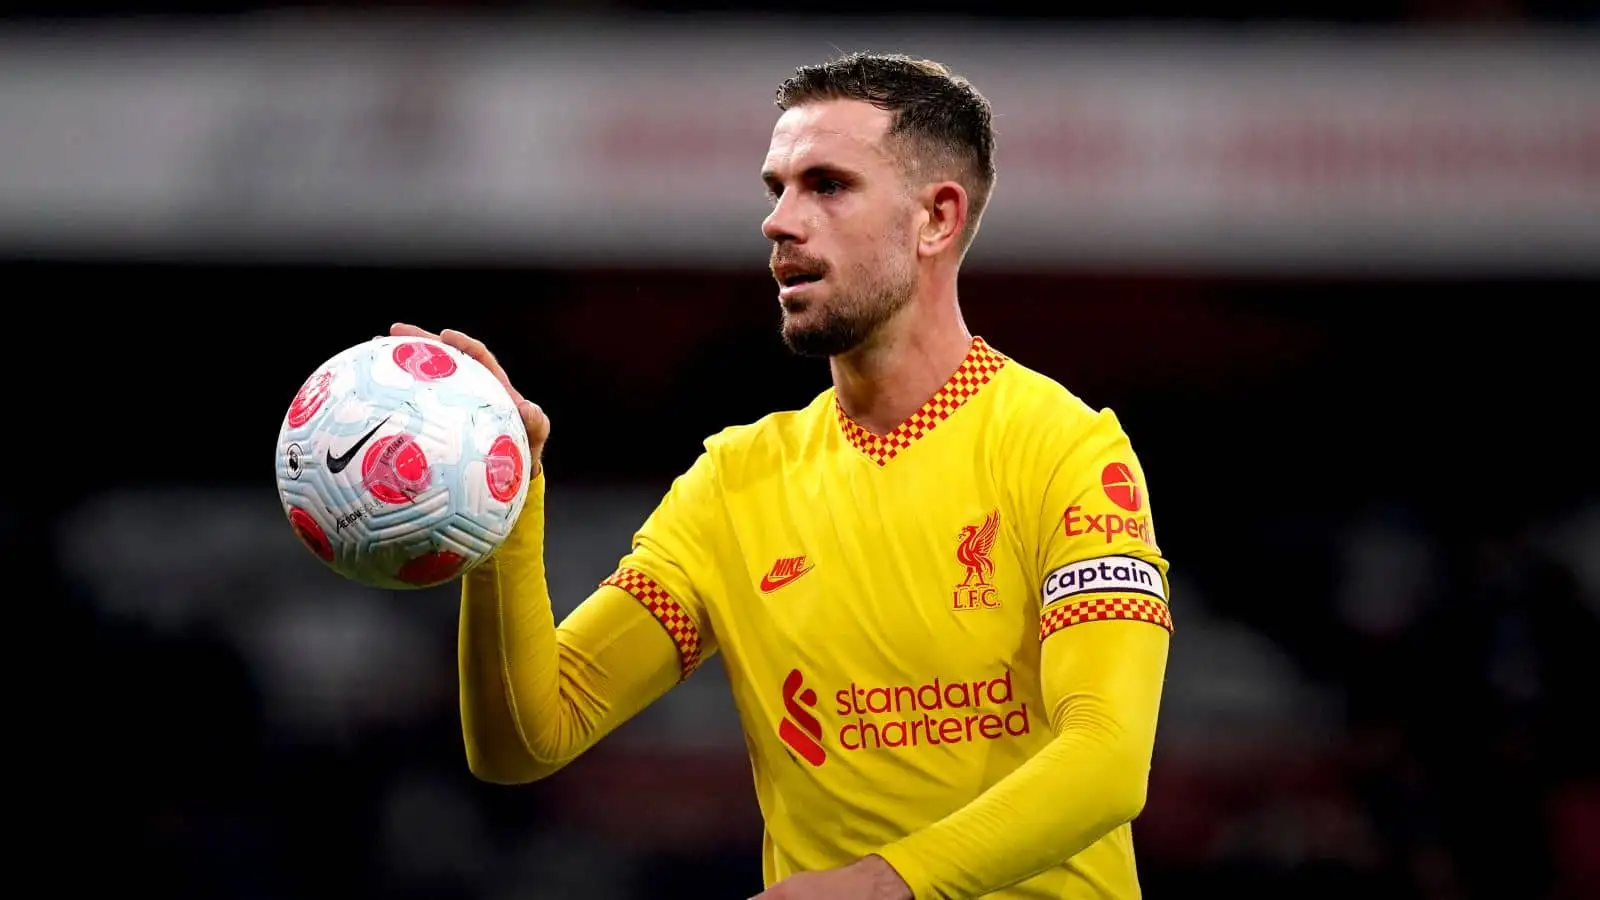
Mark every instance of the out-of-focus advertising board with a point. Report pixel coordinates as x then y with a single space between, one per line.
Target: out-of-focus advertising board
572 143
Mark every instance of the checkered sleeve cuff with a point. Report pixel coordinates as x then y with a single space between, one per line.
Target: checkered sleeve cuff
669 612
1097 609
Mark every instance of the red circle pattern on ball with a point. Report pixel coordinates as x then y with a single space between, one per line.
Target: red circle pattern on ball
431 568
424 362
310 533
503 468
395 469
309 398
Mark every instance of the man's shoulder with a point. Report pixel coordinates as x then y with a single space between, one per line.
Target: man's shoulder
772 437
1029 399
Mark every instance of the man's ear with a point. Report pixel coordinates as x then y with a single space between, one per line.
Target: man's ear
944 218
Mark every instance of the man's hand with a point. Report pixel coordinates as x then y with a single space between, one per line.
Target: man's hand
533 418
871 878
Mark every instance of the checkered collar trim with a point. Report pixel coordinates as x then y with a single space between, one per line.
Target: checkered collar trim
981 364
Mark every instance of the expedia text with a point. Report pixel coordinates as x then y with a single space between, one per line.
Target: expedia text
1077 522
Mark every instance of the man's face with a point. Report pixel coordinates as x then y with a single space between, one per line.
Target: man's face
843 228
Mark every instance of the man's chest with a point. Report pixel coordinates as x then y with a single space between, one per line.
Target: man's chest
857 575
864 626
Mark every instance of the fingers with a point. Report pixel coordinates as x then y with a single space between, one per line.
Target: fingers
537 425
533 418
402 329
471 346
466 344
475 349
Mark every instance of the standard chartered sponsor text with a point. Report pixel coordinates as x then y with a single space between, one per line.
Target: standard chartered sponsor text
928 714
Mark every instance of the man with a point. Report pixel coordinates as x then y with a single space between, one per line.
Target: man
936 588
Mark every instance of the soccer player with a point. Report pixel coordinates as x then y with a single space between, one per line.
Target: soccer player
936 589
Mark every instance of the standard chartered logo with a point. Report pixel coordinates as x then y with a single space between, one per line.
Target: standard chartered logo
931 713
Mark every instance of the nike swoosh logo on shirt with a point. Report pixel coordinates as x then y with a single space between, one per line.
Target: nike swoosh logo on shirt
336 464
785 571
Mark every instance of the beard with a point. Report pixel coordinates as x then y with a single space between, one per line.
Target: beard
848 319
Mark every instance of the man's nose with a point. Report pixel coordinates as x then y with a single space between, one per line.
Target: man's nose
783 224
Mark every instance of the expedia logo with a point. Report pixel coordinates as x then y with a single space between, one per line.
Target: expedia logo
1120 486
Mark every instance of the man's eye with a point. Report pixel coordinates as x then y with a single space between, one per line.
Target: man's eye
829 186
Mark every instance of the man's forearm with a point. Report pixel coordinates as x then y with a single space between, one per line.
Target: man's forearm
506 616
1089 780
1067 797
534 697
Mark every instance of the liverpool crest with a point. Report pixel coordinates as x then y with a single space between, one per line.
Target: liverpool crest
974 546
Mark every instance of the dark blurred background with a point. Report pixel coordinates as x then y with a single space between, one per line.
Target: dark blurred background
1332 264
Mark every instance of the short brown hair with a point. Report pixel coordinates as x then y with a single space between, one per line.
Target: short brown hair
949 125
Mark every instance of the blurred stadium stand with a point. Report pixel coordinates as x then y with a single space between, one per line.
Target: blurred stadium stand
1330 264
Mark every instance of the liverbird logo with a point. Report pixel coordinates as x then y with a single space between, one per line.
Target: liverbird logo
977 591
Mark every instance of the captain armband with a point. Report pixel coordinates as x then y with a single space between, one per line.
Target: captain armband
1107 587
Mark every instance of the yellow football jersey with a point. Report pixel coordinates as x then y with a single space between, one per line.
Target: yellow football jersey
881 602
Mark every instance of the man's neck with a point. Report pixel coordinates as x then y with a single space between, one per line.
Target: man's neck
882 383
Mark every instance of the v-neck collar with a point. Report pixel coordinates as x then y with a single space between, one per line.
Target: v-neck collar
980 365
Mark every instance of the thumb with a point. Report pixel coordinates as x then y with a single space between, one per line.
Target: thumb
537 423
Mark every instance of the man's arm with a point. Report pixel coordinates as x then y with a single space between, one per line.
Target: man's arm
534 696
1104 629
1102 682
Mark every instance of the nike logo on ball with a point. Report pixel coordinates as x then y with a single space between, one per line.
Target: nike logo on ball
336 464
